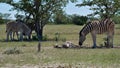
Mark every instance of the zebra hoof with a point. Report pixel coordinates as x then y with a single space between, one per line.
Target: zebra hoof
94 47
6 40
112 46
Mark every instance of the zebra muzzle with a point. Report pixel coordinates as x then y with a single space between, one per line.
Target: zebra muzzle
80 43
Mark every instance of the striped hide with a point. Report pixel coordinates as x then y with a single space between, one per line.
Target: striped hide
13 26
98 27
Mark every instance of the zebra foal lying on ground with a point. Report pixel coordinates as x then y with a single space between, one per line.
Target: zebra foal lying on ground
98 27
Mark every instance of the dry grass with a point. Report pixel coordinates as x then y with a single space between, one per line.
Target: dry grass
50 57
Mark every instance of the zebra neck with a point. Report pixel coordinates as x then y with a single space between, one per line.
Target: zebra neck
85 32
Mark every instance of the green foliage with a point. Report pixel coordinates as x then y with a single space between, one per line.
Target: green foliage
4 17
5 1
116 19
61 18
57 36
19 17
104 8
45 38
51 57
63 39
1 21
40 10
79 20
35 38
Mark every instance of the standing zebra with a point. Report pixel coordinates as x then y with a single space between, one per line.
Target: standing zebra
98 27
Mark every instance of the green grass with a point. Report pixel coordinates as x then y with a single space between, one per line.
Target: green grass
51 57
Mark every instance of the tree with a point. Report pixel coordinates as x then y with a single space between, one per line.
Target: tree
104 8
116 19
4 17
79 20
1 20
40 10
61 18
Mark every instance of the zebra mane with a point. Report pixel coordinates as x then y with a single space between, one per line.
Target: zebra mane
89 22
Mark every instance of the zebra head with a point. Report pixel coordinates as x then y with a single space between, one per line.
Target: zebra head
81 39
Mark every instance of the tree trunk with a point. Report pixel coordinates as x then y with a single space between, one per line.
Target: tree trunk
39 31
41 34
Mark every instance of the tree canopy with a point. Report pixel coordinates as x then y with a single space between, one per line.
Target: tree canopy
103 8
40 10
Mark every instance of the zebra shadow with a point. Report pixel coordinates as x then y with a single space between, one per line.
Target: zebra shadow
100 47
15 40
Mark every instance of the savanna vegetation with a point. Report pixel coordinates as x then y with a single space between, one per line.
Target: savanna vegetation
46 15
24 54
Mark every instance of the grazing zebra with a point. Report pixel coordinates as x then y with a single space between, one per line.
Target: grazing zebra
29 25
98 27
13 26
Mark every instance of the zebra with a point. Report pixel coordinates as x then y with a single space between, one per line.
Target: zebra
15 27
98 27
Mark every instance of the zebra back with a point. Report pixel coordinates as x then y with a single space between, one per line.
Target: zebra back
99 27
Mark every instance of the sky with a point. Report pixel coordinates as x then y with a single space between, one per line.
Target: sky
69 9
72 9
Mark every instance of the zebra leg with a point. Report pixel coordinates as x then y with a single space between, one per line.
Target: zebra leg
7 36
93 34
29 36
11 36
110 40
9 33
112 36
21 35
17 35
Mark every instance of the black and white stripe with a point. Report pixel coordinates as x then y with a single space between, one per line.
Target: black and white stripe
98 27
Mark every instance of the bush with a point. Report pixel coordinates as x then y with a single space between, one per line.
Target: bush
59 38
34 37
44 38
63 39
79 20
116 19
2 21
